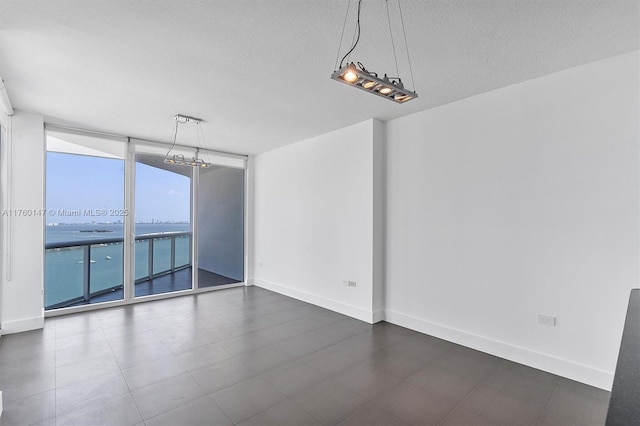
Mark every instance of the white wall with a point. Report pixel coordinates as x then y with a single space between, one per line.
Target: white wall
516 202
314 220
221 221
23 236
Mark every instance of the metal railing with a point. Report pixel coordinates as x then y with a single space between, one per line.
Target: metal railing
90 246
173 266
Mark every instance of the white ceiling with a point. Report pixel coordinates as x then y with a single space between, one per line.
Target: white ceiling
258 71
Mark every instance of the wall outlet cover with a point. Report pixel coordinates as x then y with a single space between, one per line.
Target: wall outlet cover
547 320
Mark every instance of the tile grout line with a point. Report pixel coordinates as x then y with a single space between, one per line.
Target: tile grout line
548 399
465 396
120 370
209 395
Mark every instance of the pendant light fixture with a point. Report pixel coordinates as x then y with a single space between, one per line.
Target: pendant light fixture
356 75
179 159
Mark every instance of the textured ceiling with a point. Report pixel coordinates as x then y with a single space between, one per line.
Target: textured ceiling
258 71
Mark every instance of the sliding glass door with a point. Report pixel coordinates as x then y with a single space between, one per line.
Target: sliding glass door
162 226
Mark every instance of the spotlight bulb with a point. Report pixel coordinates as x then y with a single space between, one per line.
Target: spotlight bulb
369 84
385 90
350 76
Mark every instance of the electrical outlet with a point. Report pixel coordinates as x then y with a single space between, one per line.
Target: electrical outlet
547 320
351 283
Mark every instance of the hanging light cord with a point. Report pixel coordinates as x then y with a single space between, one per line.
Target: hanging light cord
344 25
201 143
198 129
353 40
406 46
173 139
357 38
393 45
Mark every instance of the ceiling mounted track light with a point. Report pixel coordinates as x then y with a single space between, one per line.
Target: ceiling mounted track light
180 159
356 75
389 88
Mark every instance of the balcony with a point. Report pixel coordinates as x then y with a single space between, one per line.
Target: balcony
91 271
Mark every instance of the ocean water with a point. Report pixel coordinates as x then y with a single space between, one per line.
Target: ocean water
64 267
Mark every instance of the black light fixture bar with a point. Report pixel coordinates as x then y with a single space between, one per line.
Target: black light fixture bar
386 87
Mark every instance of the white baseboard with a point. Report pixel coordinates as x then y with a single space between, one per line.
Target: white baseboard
562 367
0 403
18 326
323 302
378 315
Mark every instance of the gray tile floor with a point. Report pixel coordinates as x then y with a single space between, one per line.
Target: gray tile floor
253 357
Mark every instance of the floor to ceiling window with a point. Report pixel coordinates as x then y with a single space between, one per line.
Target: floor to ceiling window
123 224
84 232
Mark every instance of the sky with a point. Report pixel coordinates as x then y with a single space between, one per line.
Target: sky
94 187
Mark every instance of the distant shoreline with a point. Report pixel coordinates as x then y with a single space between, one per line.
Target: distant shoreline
114 223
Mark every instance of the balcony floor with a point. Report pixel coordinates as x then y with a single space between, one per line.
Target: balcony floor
179 280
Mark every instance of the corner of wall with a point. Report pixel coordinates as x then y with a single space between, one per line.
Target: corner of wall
23 236
24 324
378 316
249 220
379 218
314 220
324 302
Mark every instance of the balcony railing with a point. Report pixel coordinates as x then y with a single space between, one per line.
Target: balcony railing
77 271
